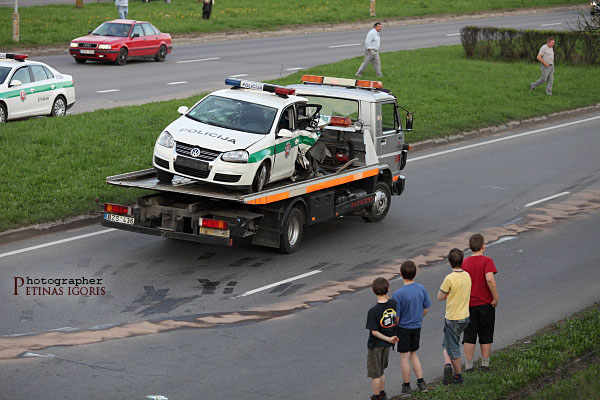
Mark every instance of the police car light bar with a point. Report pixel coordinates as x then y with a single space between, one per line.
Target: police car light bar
265 87
351 83
12 56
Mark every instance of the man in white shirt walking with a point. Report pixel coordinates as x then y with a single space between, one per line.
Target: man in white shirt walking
546 58
122 7
372 51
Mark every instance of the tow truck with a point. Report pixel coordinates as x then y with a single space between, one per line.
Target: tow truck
356 172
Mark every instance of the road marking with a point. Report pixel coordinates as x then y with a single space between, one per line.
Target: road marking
552 24
30 354
201 59
108 90
502 139
453 34
272 285
545 199
237 76
177 83
344 45
41 246
293 69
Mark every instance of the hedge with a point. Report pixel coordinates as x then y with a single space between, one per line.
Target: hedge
489 43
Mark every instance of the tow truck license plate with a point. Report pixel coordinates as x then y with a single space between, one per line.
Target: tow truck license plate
119 218
85 51
213 232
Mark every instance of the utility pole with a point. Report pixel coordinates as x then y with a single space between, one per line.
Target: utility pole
15 22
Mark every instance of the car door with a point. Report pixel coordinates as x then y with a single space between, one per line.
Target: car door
20 105
45 89
152 39
137 44
286 148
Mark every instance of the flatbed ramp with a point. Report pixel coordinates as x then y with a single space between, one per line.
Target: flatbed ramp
146 179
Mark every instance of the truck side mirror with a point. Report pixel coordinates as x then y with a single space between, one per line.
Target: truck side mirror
182 110
409 121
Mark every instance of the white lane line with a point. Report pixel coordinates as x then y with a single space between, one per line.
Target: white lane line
453 34
545 199
344 45
272 285
108 90
201 59
41 246
293 69
552 24
177 83
238 75
502 139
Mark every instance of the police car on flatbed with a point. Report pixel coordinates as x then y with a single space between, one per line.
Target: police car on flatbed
30 88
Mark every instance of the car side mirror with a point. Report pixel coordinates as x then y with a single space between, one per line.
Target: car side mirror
285 133
409 121
182 110
15 82
89 32
135 35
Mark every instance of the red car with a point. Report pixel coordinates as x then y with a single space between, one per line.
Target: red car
121 39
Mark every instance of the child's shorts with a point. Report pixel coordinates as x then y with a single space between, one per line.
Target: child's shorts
452 331
408 339
377 361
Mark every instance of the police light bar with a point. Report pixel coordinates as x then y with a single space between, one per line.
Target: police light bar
265 87
12 56
343 82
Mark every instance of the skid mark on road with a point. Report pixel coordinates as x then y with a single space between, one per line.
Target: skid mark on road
538 218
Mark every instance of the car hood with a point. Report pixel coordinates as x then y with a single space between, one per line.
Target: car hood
99 39
211 137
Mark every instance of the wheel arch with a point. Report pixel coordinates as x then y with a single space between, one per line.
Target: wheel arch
385 176
296 202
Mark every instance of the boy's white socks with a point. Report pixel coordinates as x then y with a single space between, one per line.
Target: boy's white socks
485 362
468 364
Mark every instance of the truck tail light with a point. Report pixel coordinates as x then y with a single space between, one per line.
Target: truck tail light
214 223
117 209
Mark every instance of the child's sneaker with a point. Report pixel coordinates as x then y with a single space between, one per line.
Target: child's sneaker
484 369
448 376
383 395
376 397
422 386
406 391
458 379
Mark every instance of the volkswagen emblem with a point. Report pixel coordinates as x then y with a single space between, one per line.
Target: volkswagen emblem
195 152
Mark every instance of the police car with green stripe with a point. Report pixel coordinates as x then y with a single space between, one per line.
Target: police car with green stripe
241 137
30 88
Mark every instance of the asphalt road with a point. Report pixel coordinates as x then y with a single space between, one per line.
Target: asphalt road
175 322
199 68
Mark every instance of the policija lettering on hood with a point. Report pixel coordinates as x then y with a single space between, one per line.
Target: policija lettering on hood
211 134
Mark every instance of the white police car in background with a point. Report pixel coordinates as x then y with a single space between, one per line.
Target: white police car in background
243 137
30 88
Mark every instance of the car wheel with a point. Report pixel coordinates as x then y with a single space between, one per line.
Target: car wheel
293 227
164 176
79 60
3 113
121 57
59 107
161 54
383 200
261 178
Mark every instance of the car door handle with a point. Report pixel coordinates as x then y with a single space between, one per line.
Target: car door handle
383 141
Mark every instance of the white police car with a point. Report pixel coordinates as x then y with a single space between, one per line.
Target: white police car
30 88
241 137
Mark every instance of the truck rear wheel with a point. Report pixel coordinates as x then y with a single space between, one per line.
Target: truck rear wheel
293 227
383 200
164 176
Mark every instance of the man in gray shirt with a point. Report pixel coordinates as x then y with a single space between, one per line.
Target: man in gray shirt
372 51
546 58
122 7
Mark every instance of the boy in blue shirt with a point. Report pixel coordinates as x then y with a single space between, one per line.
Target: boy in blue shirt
412 303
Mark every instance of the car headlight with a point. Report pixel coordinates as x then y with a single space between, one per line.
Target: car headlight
166 140
238 156
74 44
104 46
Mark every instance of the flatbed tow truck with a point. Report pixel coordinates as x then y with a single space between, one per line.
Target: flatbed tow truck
371 137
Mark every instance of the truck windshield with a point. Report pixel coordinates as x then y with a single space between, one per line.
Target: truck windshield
334 107
234 114
4 73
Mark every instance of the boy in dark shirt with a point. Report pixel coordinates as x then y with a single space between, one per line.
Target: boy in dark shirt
381 323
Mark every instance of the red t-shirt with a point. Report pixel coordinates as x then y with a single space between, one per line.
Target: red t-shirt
477 267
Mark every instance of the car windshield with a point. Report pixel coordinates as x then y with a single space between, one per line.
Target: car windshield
334 107
112 29
234 114
4 73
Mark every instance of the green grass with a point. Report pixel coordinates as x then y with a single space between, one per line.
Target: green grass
42 25
582 385
513 369
56 167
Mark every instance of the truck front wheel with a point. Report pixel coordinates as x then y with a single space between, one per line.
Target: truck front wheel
293 227
383 200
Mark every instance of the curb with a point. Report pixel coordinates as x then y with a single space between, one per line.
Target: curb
81 221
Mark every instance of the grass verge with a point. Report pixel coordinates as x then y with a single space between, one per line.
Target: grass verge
41 25
582 385
532 359
56 167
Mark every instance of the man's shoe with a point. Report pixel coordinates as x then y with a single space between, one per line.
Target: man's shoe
458 380
530 88
383 395
484 369
422 386
448 375
406 391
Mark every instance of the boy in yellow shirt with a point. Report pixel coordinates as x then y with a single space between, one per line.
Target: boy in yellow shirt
456 290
